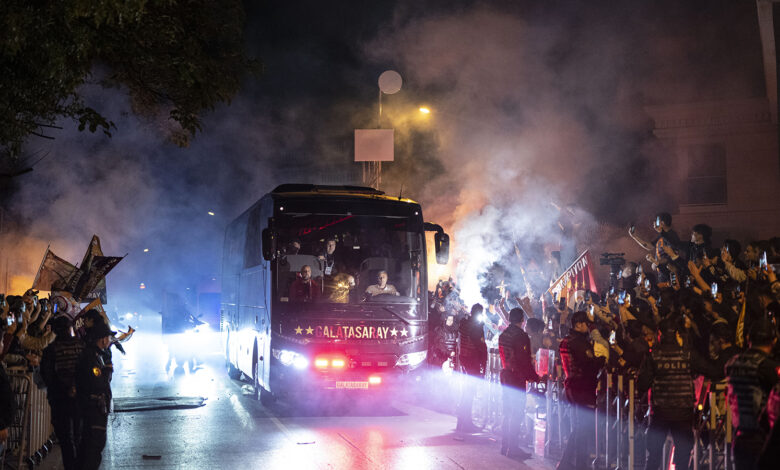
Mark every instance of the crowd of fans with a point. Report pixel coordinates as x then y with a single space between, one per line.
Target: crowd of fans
712 302
73 364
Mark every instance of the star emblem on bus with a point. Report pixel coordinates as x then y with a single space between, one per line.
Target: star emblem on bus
309 330
394 332
298 330
403 332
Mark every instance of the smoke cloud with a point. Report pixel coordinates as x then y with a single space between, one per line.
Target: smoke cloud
536 109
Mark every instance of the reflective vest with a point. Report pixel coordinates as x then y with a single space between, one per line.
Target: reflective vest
746 396
672 382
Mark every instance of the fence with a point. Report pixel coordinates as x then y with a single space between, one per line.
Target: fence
31 432
620 418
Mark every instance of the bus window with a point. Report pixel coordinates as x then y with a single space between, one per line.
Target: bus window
346 254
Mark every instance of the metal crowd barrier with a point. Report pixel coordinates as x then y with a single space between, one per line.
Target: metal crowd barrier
487 410
30 435
619 426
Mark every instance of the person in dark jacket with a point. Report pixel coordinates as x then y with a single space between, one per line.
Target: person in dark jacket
93 393
669 372
581 367
722 340
514 346
58 369
750 376
472 357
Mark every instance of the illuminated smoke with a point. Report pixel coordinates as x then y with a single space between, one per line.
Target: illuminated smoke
537 105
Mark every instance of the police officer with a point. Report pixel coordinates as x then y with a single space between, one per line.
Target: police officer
93 392
58 369
581 366
669 370
750 376
472 357
514 346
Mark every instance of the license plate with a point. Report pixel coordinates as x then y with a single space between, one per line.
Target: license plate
351 385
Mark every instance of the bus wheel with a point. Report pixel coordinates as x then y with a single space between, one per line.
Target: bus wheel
232 371
265 397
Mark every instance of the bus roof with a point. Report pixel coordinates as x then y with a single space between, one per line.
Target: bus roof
308 190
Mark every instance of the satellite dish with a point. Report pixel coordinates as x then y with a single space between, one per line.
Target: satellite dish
390 82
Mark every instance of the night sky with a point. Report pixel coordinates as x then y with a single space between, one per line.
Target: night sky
533 102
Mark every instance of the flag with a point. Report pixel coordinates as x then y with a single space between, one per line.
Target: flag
89 280
741 325
99 292
53 271
579 276
79 327
64 304
94 249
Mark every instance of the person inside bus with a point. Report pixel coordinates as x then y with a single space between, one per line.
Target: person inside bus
293 247
304 288
381 287
330 264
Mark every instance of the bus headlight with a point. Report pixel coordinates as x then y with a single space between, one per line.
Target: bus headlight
290 358
412 359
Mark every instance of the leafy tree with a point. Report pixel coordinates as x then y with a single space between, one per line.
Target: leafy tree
176 57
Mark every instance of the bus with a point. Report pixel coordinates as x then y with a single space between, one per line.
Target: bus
303 306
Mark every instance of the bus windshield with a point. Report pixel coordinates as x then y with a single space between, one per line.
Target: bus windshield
344 258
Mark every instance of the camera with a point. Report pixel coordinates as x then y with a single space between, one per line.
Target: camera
612 259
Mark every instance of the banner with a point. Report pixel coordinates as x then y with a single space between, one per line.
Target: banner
99 267
100 292
579 276
94 250
53 271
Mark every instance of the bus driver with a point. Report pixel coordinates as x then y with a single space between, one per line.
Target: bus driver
382 287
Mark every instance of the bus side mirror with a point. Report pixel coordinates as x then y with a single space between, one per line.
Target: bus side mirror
269 244
441 242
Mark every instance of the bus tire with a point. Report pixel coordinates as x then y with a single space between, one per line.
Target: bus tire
264 396
232 371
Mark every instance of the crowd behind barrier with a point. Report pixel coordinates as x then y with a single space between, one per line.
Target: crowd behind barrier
54 382
720 304
25 417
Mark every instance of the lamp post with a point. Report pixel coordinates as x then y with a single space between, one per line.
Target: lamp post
390 82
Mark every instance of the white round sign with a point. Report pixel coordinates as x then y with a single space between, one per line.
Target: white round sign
390 82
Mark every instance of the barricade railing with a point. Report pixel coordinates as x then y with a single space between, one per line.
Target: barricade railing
620 425
30 433
488 410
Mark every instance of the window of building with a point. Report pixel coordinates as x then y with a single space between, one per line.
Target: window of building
706 176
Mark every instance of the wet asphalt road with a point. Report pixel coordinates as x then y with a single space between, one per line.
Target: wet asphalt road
233 431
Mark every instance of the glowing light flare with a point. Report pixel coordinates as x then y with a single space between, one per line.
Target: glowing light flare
425 110
321 363
338 363
142 286
210 213
146 250
375 380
